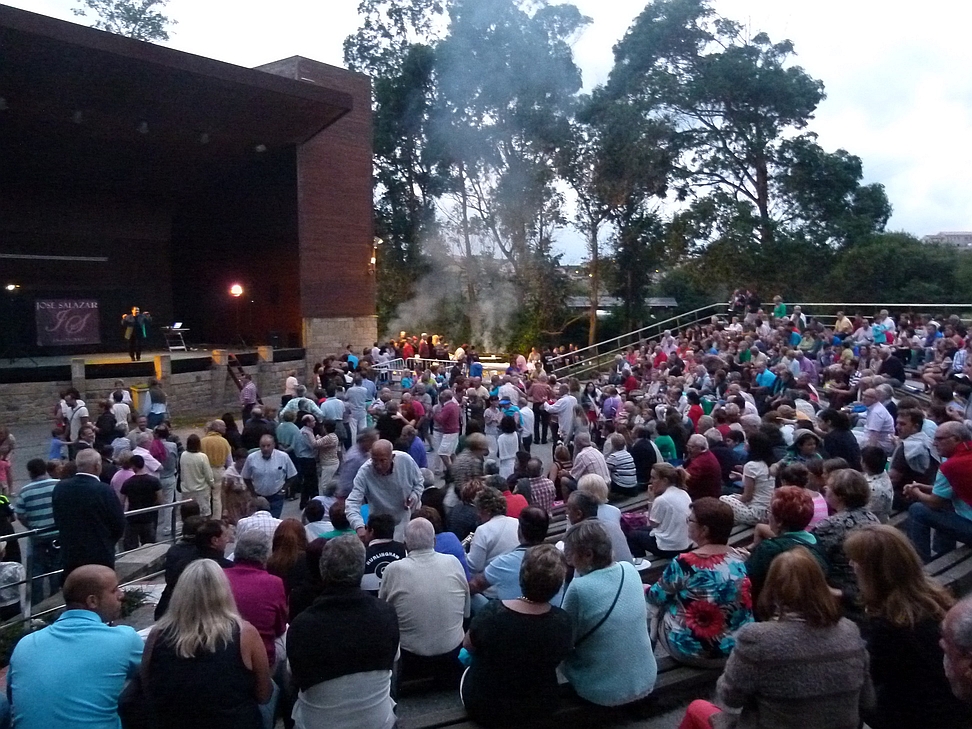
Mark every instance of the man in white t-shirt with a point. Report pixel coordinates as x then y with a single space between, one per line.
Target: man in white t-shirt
74 413
667 534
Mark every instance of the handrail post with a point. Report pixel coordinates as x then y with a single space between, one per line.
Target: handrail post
28 576
172 521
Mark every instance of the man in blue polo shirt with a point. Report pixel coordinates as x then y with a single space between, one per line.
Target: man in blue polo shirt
70 674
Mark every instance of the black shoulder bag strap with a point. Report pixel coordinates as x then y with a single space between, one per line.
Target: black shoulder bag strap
610 610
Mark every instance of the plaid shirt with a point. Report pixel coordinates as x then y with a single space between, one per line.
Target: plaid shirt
248 395
542 492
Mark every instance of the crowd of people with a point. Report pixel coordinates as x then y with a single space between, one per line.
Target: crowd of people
423 549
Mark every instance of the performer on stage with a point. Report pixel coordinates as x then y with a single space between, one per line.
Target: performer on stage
136 331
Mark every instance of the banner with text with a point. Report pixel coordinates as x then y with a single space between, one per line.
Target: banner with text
63 322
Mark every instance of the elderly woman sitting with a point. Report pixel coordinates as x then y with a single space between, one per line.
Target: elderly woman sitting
612 662
703 597
516 645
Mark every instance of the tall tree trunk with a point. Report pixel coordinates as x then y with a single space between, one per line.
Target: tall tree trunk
472 311
595 276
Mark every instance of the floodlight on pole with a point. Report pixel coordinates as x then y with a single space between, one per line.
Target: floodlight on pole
236 290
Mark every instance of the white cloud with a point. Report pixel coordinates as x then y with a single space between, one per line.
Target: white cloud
899 94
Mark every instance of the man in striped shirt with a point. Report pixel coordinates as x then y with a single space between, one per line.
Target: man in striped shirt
34 510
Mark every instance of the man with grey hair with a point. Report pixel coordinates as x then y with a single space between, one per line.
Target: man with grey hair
343 647
957 645
88 515
260 519
703 473
390 482
943 506
431 598
562 416
301 403
142 443
259 596
588 459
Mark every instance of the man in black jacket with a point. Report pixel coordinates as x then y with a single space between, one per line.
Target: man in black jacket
201 539
342 648
88 515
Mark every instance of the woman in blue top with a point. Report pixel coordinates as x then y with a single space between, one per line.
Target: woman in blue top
612 662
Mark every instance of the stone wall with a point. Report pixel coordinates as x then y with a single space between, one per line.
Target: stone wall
204 394
330 336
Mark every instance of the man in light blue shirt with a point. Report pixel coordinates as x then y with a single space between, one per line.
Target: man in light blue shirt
70 674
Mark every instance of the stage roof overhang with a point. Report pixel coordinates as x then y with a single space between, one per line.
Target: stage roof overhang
83 105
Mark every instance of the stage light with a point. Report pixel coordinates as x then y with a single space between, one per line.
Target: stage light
77 117
236 290
12 287
143 127
204 138
260 148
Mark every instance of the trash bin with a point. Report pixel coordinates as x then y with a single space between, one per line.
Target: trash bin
141 402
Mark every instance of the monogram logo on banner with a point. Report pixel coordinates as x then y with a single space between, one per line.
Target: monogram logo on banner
63 322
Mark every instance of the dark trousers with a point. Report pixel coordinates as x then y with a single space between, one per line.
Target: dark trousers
135 347
138 534
642 541
541 423
245 412
444 669
554 433
46 558
307 468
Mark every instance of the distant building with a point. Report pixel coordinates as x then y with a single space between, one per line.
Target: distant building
958 239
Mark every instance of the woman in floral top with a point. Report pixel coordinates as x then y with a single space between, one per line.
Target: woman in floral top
704 595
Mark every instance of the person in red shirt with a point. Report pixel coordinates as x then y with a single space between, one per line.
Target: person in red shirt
408 351
660 358
631 383
695 411
702 470
447 425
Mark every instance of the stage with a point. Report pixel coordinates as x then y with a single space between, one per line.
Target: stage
122 358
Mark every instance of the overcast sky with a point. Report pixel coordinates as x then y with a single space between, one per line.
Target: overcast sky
898 80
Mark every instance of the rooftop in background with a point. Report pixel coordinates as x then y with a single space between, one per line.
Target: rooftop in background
959 239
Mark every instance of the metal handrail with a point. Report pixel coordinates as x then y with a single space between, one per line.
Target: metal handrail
33 534
594 361
638 332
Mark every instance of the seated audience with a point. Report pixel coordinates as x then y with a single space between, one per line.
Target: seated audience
537 488
464 517
431 598
752 505
316 521
381 550
203 661
957 644
801 667
496 533
875 461
611 662
621 465
905 609
847 495
71 673
703 597
342 648
703 474
582 507
445 542
288 559
501 580
790 512
945 507
304 595
597 488
260 596
516 644
797 474
201 539
260 519
667 533
838 439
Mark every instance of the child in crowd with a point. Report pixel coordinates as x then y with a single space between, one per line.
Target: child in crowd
798 474
874 462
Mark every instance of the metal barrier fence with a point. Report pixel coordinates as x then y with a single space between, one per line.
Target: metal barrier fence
35 535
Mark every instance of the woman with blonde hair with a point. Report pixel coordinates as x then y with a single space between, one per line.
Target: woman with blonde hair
802 667
203 665
904 609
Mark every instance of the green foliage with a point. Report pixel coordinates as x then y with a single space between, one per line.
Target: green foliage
139 19
9 637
